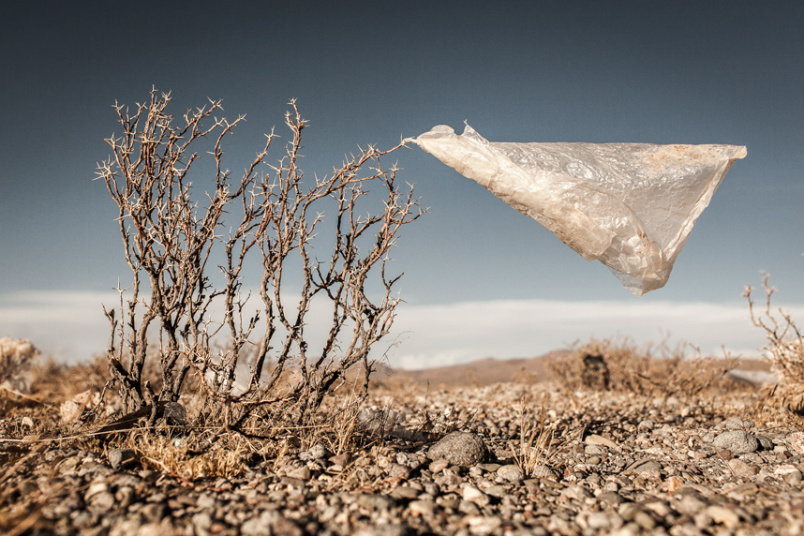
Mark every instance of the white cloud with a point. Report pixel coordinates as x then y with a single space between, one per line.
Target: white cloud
71 326
435 335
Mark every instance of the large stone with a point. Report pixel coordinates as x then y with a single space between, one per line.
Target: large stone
459 448
737 441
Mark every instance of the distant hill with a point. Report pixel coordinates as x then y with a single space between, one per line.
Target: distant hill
484 371
490 370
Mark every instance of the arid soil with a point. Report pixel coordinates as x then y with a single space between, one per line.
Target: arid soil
506 458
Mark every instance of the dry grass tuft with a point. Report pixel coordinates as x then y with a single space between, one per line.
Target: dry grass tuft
194 455
537 440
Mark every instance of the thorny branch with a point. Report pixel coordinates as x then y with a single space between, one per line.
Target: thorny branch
244 357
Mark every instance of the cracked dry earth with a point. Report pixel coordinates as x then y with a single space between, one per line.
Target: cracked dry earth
454 462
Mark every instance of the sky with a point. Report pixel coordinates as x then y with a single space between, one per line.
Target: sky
480 279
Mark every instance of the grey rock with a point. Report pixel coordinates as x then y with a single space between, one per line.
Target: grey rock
398 471
737 441
512 473
474 495
765 442
576 492
317 452
611 498
649 468
458 448
374 501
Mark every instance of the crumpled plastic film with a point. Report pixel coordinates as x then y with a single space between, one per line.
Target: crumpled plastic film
629 205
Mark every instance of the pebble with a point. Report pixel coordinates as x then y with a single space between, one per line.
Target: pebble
511 473
722 515
647 468
598 521
422 508
398 471
459 448
474 495
483 525
611 498
122 459
542 471
796 440
741 468
737 441
316 452
576 492
302 473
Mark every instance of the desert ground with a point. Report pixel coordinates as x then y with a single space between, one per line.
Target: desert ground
530 446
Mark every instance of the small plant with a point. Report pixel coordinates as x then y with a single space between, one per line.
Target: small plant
312 241
536 440
784 346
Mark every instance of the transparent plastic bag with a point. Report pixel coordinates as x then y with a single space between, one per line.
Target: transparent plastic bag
629 205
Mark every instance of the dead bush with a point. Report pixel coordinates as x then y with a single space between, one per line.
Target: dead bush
315 242
784 347
623 366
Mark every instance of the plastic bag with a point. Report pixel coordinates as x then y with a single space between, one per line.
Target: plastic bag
629 205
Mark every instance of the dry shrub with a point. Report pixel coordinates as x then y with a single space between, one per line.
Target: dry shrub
649 371
198 452
784 347
314 241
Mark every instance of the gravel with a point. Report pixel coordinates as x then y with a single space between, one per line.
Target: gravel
617 464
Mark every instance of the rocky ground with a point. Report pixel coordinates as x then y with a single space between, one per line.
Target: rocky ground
499 459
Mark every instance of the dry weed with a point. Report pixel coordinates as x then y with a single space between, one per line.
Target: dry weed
784 347
537 441
197 454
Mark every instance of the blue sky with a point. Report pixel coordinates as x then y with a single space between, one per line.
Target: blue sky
642 71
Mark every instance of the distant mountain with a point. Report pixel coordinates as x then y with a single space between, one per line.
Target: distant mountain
480 372
490 370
